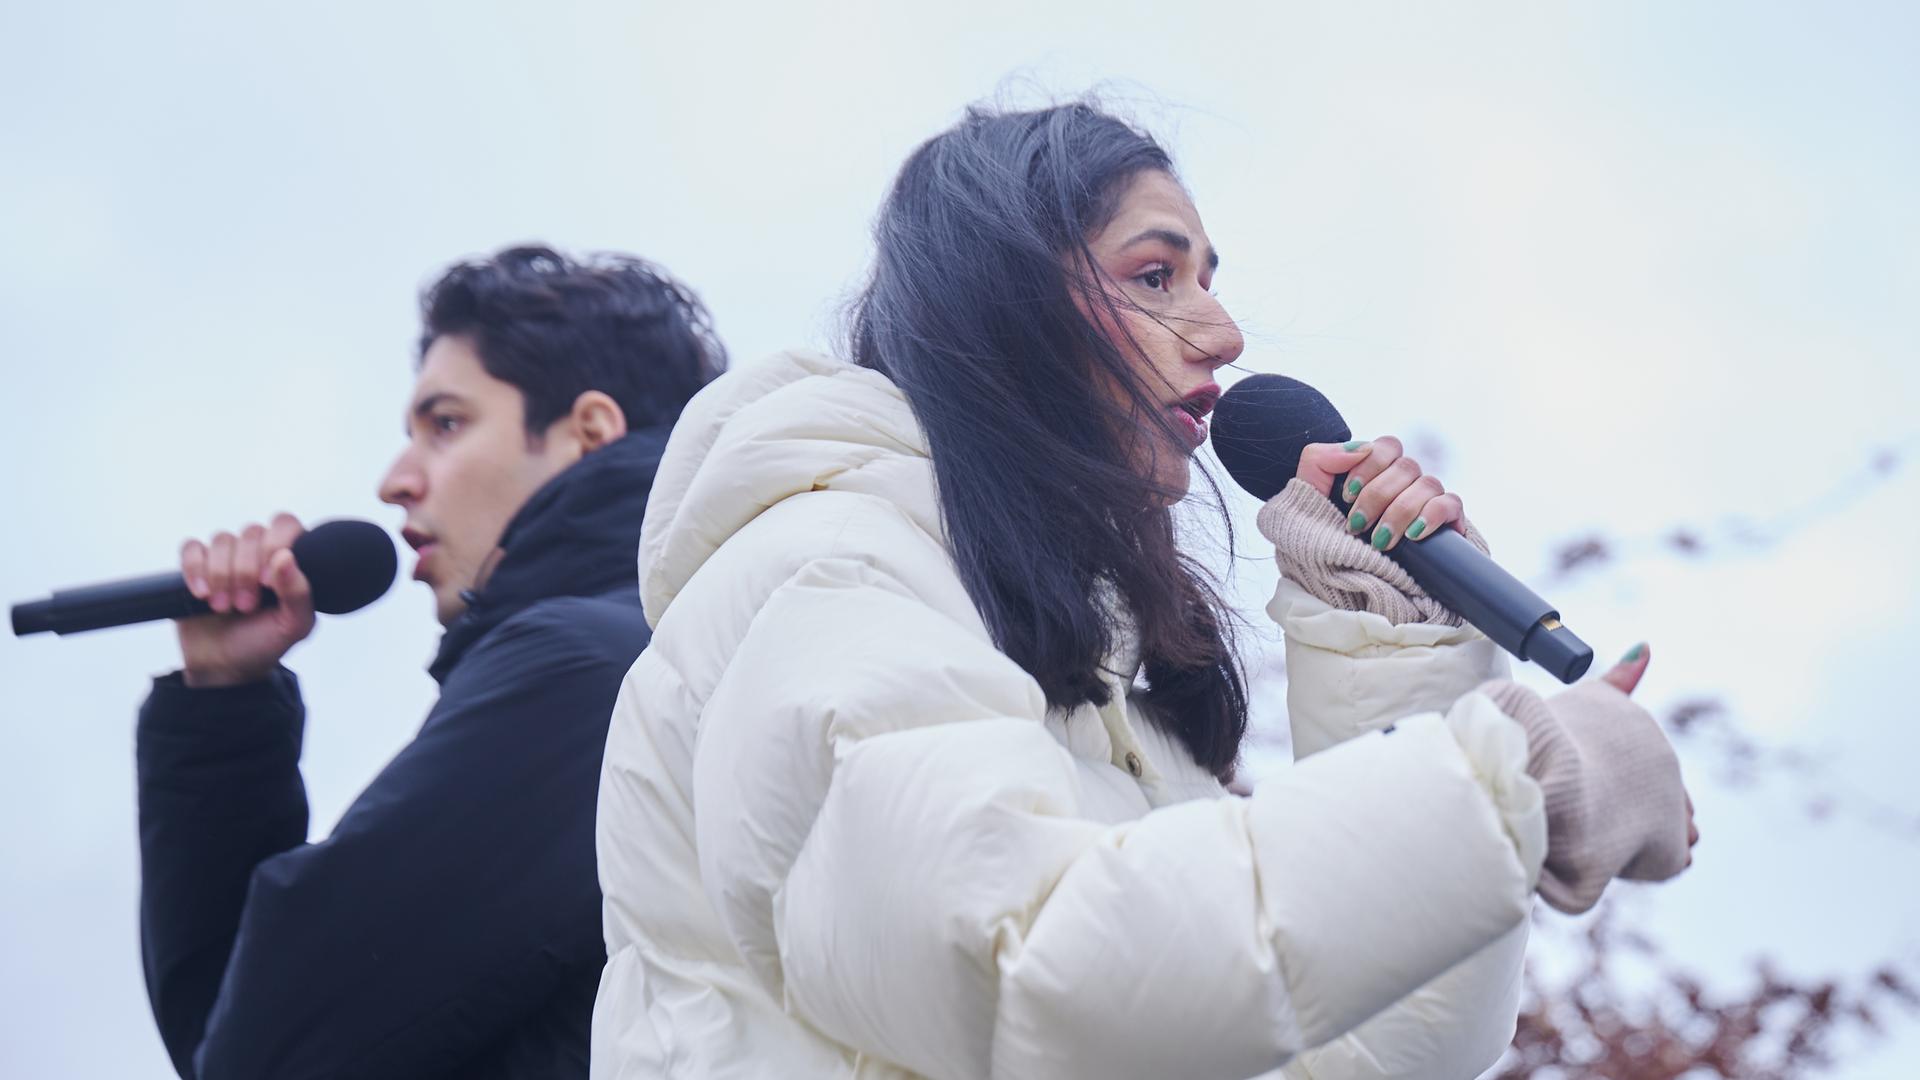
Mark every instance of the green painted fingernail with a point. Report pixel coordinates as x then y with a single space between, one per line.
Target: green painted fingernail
1414 530
1633 654
1357 521
1382 536
1354 444
1353 488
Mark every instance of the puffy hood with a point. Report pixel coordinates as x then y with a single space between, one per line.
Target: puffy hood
793 423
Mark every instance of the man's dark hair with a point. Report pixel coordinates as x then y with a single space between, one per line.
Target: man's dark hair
555 327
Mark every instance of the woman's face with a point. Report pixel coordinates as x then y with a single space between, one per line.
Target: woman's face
1156 265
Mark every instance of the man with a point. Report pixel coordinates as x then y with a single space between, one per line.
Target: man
450 925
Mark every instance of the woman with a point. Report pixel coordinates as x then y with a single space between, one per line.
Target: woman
922 773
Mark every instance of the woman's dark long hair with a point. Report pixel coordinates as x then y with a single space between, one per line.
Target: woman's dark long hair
972 312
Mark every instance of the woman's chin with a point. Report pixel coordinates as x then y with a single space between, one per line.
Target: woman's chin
1169 468
1170 489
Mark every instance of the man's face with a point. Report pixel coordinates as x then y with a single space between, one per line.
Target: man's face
467 468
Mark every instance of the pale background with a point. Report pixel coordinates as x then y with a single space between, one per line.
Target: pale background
1635 266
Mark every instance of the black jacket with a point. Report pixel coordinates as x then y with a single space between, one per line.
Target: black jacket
450 925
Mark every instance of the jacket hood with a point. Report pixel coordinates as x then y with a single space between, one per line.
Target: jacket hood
574 537
794 423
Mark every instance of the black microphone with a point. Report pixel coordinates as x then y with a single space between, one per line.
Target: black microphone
1260 428
349 563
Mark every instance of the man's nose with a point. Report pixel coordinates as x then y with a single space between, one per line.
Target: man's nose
404 483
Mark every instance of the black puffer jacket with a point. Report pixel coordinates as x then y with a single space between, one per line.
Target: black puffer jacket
450 925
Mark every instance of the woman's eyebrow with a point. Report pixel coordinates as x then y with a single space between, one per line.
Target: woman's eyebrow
1176 241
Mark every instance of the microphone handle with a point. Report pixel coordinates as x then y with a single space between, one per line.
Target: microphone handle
117 603
1474 587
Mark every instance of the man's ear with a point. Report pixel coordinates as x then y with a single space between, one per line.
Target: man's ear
597 420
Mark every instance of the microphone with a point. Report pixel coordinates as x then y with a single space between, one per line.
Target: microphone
1261 426
350 564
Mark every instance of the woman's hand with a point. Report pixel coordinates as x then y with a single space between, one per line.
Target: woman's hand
1623 677
1615 802
1390 497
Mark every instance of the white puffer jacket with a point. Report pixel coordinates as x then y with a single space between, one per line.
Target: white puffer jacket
841 835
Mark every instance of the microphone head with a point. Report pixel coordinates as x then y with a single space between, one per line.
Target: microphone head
350 564
1261 425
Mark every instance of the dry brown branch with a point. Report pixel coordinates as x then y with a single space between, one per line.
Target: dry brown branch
1591 1024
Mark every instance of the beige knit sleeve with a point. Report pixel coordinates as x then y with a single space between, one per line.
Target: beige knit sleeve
1316 552
1616 806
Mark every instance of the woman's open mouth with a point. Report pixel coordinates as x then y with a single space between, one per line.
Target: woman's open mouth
1193 423
1192 412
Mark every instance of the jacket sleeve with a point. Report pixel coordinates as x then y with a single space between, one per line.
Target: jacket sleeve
1353 672
454 897
949 908
1350 673
219 792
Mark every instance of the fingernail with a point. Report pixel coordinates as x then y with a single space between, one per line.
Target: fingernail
1353 488
218 601
1357 521
1354 444
1414 530
1634 653
1382 536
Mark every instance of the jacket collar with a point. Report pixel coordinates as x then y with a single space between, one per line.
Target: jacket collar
576 536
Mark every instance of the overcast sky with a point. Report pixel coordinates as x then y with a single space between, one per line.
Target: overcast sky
1633 267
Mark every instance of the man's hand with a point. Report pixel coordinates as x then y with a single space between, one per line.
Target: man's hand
241 642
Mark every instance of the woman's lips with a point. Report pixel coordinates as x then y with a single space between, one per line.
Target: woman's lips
1195 427
1193 410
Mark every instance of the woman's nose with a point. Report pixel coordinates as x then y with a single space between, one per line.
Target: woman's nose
1215 337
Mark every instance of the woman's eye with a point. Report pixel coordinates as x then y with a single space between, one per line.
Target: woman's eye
445 425
1157 279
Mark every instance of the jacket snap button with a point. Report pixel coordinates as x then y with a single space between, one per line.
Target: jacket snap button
1133 764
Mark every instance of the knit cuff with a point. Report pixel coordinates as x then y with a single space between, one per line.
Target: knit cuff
1615 803
1315 551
